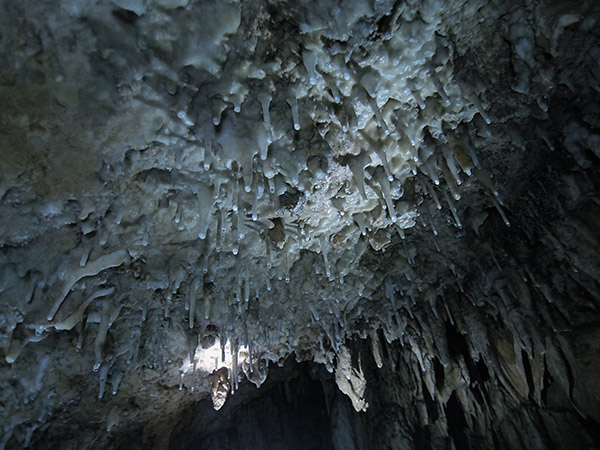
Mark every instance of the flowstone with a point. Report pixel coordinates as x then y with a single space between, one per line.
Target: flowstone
194 192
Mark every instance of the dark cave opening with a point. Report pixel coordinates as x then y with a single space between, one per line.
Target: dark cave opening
290 411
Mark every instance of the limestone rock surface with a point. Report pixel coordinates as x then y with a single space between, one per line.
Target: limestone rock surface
396 199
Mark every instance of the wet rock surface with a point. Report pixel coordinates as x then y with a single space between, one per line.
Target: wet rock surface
400 196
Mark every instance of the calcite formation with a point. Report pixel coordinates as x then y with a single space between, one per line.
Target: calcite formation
192 191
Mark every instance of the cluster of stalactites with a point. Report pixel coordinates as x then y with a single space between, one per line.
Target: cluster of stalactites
321 165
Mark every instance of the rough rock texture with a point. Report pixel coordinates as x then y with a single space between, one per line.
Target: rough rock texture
403 193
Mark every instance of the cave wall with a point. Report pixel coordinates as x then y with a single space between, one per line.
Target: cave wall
401 195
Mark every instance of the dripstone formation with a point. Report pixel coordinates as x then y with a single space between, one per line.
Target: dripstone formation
382 214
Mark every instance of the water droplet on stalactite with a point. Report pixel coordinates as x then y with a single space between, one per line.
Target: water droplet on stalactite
241 233
501 211
431 167
103 374
206 201
376 349
335 92
431 221
380 120
324 251
385 187
287 266
361 222
460 155
271 183
475 99
451 163
80 330
380 151
115 381
429 189
412 86
222 222
268 282
293 102
204 263
548 142
309 59
254 208
208 155
453 209
183 116
357 167
451 184
193 383
486 179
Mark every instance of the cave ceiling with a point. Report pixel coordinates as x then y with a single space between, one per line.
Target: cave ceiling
194 192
